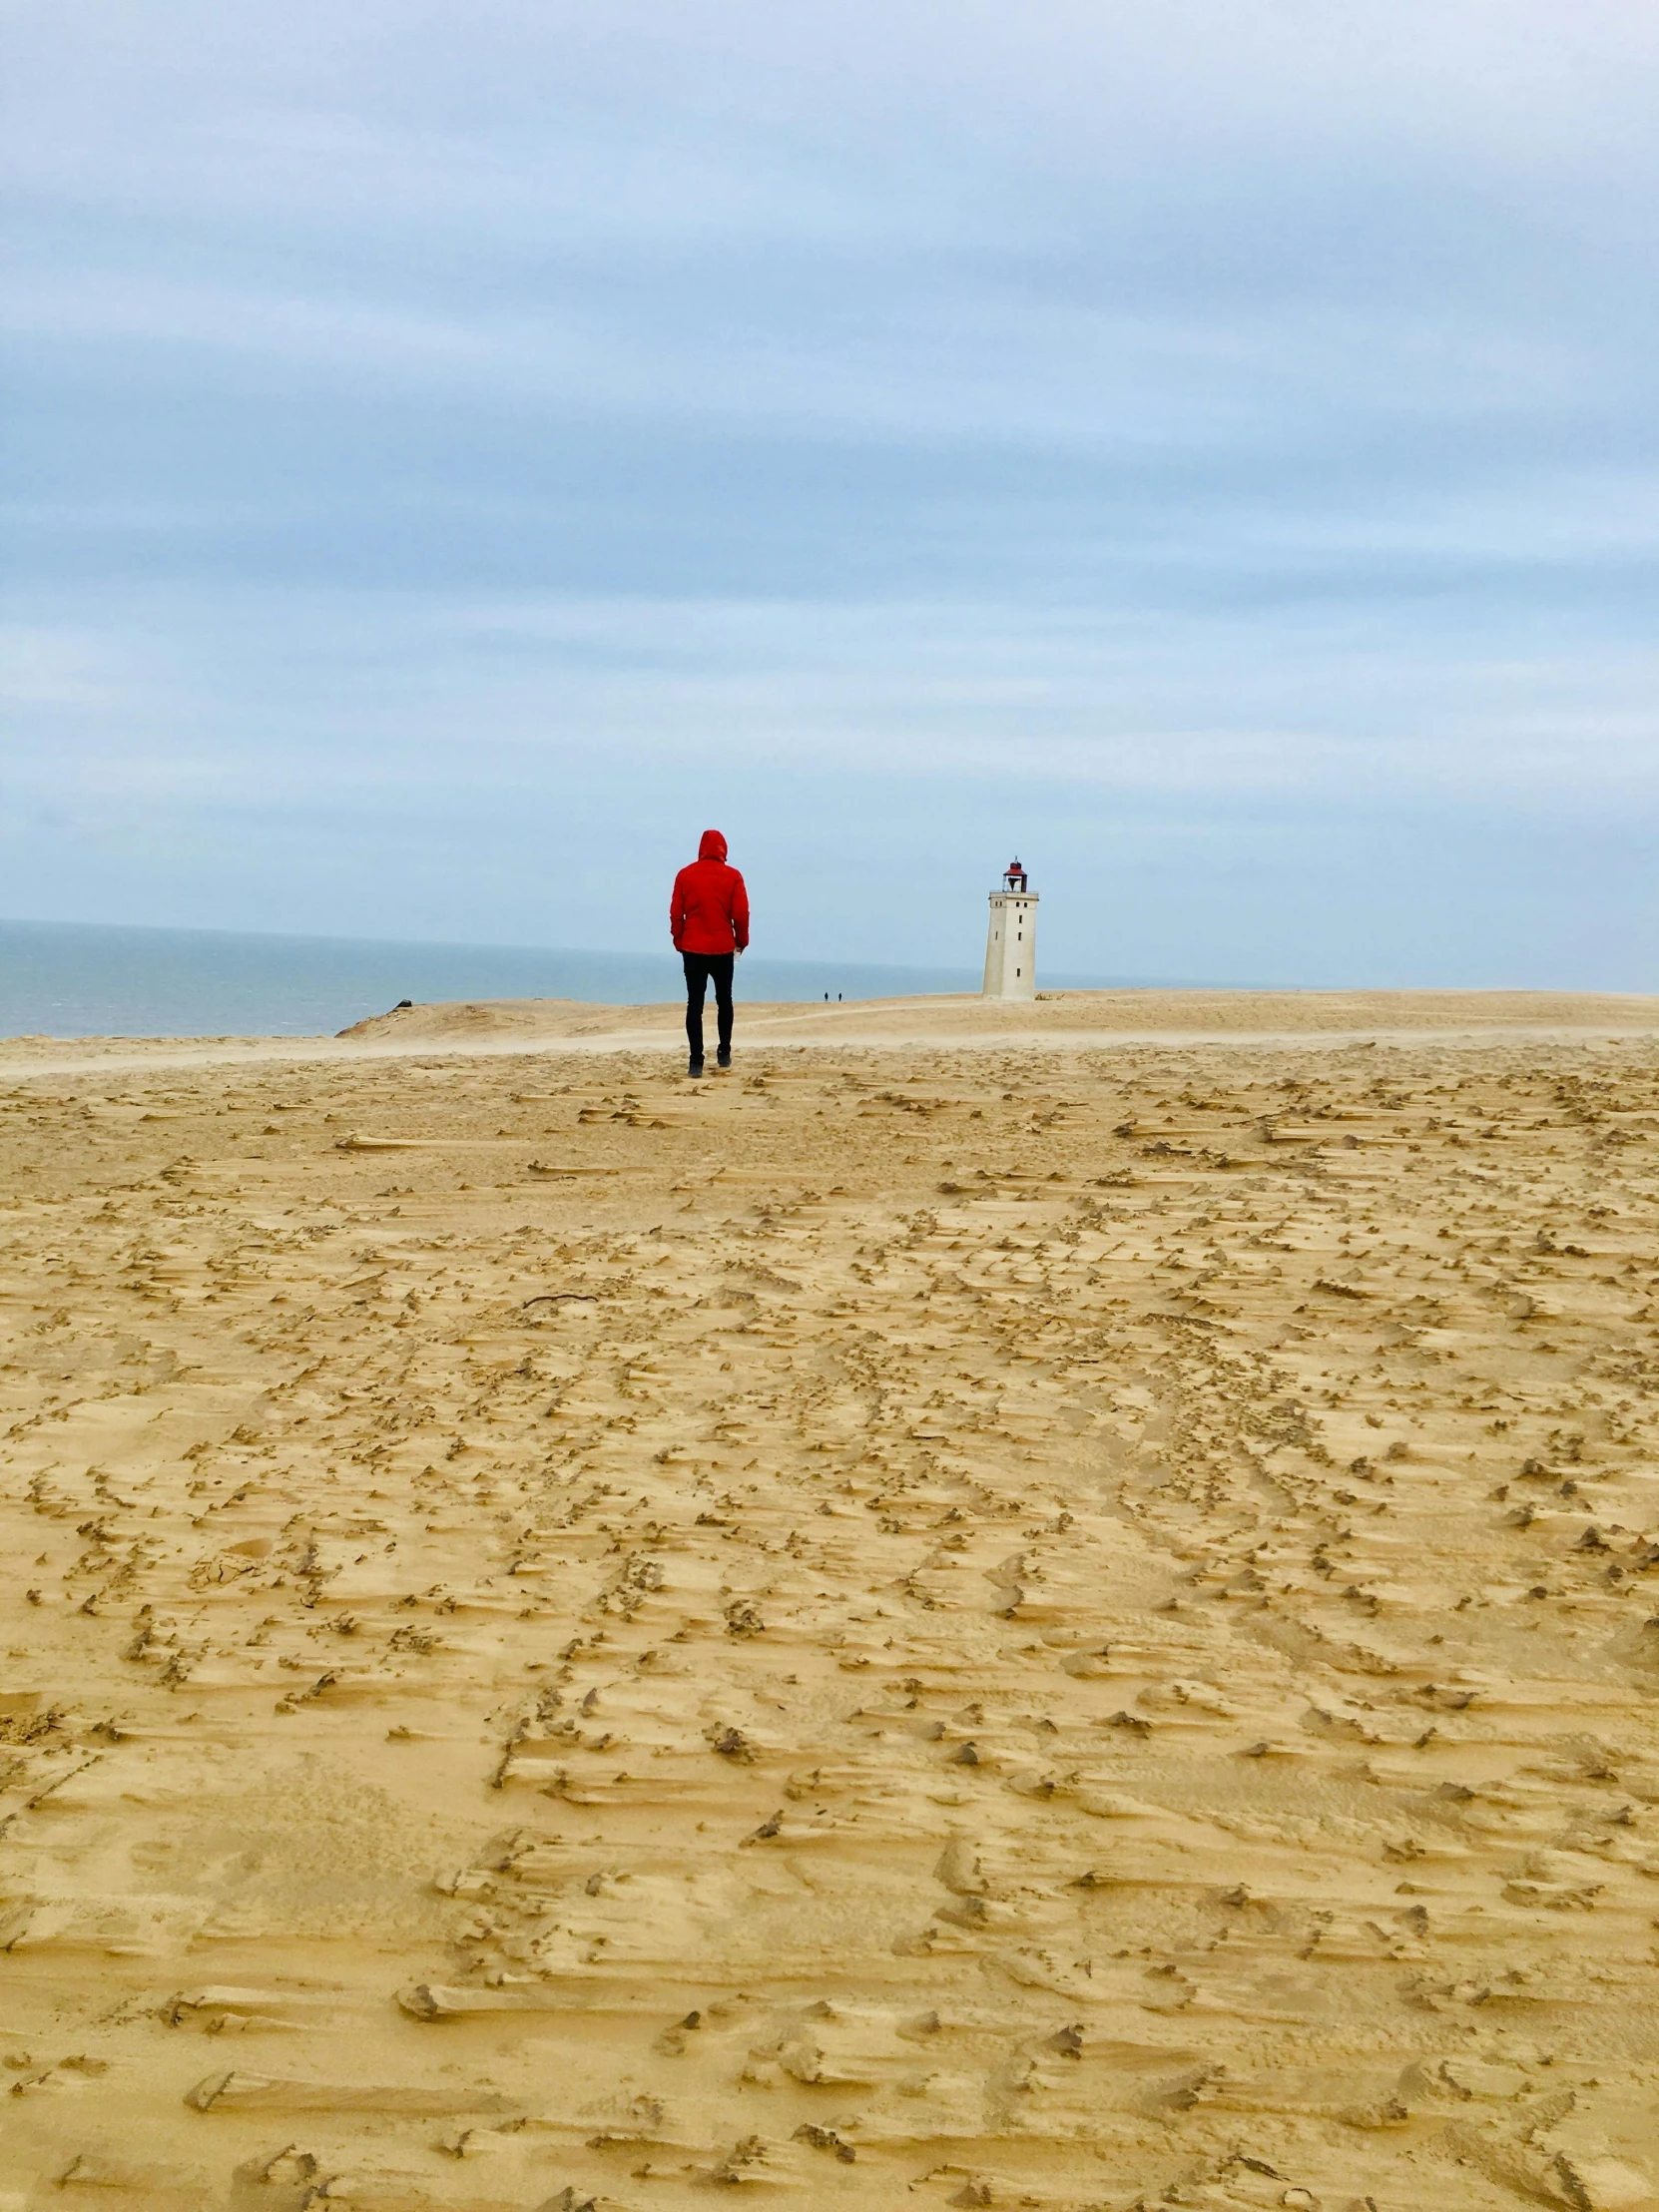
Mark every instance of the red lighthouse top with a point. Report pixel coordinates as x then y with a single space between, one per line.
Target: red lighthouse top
1013 878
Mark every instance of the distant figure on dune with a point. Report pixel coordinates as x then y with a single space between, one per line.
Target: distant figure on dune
708 917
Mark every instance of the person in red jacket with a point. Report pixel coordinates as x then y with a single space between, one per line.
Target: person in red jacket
707 919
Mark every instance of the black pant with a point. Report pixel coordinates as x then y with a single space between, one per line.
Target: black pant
701 967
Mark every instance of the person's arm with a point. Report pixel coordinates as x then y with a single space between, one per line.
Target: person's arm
740 915
677 909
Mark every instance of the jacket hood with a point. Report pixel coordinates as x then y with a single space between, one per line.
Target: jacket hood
712 846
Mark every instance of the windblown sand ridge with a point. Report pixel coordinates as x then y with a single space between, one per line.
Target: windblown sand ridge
1055 1018
968 1620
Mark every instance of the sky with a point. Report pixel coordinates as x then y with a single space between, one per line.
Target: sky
456 450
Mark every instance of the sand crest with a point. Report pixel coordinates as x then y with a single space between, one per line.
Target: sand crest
1058 1611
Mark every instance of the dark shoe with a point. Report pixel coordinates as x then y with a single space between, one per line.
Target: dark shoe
723 1058
695 1070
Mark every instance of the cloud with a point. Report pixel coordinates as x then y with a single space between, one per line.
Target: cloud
1234 421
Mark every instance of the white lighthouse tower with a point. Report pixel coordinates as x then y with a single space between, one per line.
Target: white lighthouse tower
1011 940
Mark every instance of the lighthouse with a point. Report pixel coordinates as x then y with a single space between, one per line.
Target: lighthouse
1011 939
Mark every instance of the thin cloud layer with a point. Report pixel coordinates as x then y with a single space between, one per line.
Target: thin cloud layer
1210 447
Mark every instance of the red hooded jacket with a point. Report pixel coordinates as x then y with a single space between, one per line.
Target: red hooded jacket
709 911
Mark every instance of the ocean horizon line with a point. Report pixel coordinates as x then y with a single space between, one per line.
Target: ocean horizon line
130 979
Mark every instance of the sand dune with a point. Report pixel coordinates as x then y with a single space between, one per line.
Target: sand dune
984 1612
1053 1015
1056 1018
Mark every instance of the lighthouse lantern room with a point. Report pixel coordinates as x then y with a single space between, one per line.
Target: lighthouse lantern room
1011 939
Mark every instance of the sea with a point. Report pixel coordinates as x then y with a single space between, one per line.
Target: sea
84 979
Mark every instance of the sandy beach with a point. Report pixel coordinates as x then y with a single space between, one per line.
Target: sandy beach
1049 1607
